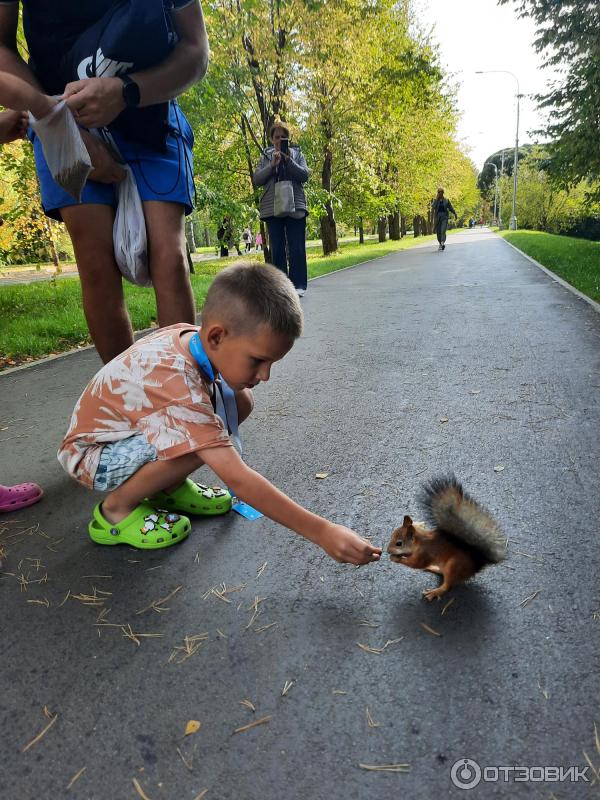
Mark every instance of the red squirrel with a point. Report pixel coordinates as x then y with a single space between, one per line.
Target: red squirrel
464 538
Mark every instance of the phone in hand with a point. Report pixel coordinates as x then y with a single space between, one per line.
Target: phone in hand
285 146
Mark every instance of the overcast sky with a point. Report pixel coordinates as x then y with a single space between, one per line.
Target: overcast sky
481 35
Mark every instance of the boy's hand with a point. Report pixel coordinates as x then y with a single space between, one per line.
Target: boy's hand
347 547
13 125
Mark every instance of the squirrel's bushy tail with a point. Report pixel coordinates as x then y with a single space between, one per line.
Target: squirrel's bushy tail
453 511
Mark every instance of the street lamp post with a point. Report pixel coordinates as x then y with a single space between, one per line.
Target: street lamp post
513 218
491 164
500 193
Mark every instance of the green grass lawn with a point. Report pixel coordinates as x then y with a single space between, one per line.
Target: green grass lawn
45 317
576 261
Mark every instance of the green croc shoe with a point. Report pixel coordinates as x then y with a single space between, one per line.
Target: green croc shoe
146 528
194 498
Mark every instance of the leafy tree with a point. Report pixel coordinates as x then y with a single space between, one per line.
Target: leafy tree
568 34
29 235
542 204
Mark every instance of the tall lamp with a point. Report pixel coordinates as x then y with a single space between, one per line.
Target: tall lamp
513 219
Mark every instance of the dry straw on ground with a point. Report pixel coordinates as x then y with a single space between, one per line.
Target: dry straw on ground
44 731
429 629
531 597
76 777
158 605
139 790
379 650
385 767
261 721
370 721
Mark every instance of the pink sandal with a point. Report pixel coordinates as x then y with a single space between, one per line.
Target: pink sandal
12 498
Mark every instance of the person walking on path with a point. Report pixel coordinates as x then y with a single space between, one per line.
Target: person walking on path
162 167
247 239
441 207
287 233
258 242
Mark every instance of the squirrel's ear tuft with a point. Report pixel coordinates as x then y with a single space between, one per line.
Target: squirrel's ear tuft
407 521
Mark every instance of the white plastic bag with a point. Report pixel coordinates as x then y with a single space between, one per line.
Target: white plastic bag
64 150
283 202
129 232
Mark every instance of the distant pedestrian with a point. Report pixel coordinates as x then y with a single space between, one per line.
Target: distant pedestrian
258 242
284 211
441 207
222 236
247 239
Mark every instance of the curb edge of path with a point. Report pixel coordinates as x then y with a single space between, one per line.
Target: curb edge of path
554 276
592 303
67 353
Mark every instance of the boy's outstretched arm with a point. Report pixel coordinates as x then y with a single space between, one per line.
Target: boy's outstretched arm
339 542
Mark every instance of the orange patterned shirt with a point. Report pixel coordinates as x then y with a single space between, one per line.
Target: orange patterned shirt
154 388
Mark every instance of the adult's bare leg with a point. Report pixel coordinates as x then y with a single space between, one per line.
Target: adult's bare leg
168 262
90 228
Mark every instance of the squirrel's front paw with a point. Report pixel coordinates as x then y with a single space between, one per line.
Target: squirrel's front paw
433 594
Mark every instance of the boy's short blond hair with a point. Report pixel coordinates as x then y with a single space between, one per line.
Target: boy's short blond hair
248 295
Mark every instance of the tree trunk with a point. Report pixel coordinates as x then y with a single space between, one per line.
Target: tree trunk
189 235
416 227
327 220
394 225
361 231
188 255
328 231
430 220
206 237
402 226
52 246
381 226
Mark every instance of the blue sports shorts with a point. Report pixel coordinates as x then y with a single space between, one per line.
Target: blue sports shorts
120 460
159 176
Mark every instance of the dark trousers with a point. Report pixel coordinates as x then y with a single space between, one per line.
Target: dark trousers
441 226
288 247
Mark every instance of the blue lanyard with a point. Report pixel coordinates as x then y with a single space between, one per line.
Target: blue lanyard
226 409
225 405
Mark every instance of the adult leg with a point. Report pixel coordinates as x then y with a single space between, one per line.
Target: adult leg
443 229
168 262
90 227
295 230
276 228
438 230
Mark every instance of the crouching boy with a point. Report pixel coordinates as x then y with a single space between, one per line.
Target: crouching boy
147 420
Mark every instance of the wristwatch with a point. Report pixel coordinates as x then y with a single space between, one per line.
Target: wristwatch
131 92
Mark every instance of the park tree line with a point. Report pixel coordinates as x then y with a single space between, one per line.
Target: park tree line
359 84
363 92
559 180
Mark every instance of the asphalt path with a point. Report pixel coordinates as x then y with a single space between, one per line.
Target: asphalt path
471 360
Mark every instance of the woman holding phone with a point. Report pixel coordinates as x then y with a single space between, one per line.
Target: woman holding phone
287 234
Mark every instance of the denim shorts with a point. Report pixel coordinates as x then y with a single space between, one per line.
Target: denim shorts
168 176
120 460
